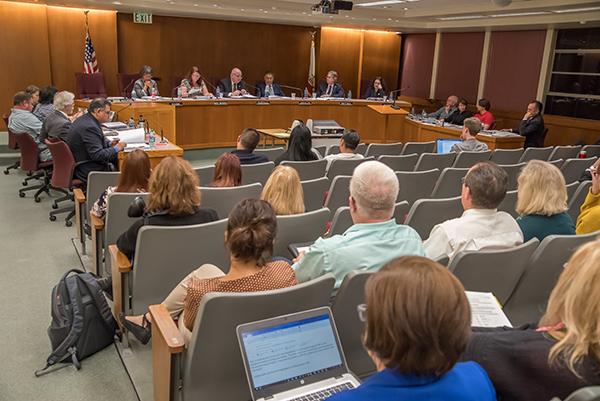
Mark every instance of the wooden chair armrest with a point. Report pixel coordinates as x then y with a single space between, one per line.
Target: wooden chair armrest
96 222
167 342
119 260
79 195
119 265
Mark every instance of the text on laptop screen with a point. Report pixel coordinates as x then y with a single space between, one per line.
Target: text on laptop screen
444 145
291 351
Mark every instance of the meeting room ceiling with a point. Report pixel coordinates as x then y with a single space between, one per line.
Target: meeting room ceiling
395 15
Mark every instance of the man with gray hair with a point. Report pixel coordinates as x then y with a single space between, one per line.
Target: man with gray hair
58 122
373 240
444 112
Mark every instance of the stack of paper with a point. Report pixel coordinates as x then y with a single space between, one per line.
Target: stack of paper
486 310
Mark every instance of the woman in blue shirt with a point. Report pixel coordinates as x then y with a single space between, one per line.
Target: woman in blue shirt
418 322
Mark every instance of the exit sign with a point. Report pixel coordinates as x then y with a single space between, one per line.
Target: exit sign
140 17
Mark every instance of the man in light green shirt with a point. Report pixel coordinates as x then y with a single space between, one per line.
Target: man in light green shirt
373 240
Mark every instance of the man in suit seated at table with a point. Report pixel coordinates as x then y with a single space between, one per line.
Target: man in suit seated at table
330 88
87 142
247 141
269 87
532 125
59 121
234 85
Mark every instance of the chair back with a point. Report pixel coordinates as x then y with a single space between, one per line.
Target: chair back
89 86
308 170
63 164
536 154
506 156
591 150
449 184
222 200
400 162
314 193
469 159
558 163
590 393
213 368
125 83
416 185
259 172
509 203
497 271
165 255
270 153
97 182
571 188
321 149
361 148
528 301
206 174
338 193
342 219
429 161
333 150
401 211
565 152
578 198
350 328
426 213
344 167
380 149
29 152
12 138
513 171
573 169
418 148
299 228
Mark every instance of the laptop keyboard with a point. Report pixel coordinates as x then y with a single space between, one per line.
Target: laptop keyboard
325 393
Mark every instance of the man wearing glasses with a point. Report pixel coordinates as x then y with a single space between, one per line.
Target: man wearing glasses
88 144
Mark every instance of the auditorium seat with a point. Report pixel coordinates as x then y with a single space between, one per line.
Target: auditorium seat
428 161
259 172
493 270
224 199
400 162
30 163
299 228
314 193
380 149
590 393
591 150
558 163
351 294
513 171
468 159
571 188
333 150
418 148
509 203
339 192
527 302
270 153
206 174
536 154
125 83
578 198
416 185
344 167
565 152
211 367
506 156
308 170
573 169
342 219
321 150
89 86
424 214
361 148
449 184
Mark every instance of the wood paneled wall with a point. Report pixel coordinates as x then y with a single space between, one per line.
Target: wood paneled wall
417 64
381 57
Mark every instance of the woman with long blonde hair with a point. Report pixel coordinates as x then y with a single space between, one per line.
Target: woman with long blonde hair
542 202
283 191
563 353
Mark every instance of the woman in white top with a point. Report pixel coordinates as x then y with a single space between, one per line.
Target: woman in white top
193 85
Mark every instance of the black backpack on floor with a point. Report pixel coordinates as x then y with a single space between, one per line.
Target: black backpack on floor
82 323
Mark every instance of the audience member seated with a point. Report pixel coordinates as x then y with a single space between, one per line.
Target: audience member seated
448 110
299 146
45 106
134 177
417 324
348 144
461 114
193 85
268 87
563 353
234 85
374 239
377 89
589 216
58 123
88 143
145 86
483 114
283 191
22 120
481 225
542 202
247 141
471 128
228 171
532 125
34 91
251 231
331 87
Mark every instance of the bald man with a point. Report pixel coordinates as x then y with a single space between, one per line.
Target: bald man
444 112
234 85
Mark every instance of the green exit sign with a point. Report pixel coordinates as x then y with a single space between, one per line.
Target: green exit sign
140 17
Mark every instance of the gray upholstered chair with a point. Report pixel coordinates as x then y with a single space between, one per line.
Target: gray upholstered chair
205 174
572 169
468 159
590 393
224 199
536 154
379 149
565 152
259 172
418 148
299 228
571 188
577 199
314 193
361 148
426 213
506 156
513 171
429 161
338 193
509 203
342 219
415 185
270 153
333 150
400 162
343 167
308 170
592 150
321 149
449 184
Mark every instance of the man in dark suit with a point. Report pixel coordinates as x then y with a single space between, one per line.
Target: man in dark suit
268 87
532 125
246 143
331 88
58 122
87 142
234 85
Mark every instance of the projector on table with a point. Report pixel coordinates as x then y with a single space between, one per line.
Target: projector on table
327 127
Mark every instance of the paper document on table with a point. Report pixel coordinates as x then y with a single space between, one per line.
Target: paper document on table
131 136
486 310
134 146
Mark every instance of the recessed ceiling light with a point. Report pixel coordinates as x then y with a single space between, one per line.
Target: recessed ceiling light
519 14
405 8
195 5
118 3
380 3
576 10
460 17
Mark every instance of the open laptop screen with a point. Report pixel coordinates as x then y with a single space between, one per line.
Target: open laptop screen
444 145
291 351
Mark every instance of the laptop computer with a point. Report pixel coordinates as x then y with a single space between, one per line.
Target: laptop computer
444 145
294 357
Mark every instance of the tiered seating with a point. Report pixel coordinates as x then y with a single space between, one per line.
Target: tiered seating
224 199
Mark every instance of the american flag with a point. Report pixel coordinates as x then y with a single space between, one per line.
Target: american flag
90 64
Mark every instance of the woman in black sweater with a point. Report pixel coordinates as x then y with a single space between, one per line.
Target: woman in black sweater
460 115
